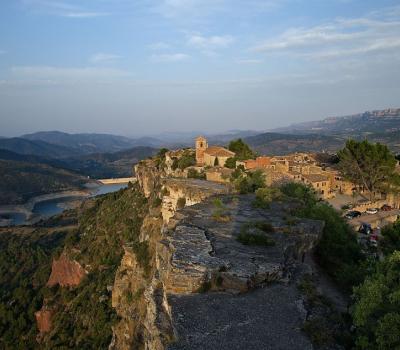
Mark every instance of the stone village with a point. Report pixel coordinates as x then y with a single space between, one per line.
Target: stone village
326 181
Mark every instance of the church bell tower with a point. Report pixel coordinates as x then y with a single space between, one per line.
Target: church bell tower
201 146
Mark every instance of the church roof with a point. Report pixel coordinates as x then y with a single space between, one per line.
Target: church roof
218 151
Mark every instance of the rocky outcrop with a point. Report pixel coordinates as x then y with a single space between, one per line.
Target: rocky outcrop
178 193
198 249
149 177
191 250
66 272
43 320
196 252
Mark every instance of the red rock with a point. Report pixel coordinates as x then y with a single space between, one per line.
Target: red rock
66 272
43 320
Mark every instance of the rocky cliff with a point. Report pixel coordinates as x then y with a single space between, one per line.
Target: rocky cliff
66 272
195 246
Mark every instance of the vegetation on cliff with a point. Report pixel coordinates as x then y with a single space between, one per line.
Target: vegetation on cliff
82 316
338 251
376 311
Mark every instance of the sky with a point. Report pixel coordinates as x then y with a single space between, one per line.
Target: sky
141 67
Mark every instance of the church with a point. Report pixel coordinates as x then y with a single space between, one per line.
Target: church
211 156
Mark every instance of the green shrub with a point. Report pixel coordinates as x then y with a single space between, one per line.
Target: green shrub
249 182
205 287
194 174
230 163
181 203
266 195
338 251
255 239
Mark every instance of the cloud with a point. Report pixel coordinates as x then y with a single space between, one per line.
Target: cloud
374 34
250 61
104 58
211 42
84 14
159 46
174 57
68 9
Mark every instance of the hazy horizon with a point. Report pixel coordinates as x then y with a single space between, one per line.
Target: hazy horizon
146 67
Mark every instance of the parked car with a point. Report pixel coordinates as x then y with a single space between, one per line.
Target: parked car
365 228
353 214
371 211
386 207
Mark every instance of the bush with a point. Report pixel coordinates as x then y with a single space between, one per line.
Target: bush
194 174
230 163
250 182
376 311
181 203
255 239
254 233
188 159
338 251
391 238
266 195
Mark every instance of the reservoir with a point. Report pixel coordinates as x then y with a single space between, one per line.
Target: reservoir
47 208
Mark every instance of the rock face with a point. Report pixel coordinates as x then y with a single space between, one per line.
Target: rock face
66 272
43 320
199 249
149 177
189 191
193 248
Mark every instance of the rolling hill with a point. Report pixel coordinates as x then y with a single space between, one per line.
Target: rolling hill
280 144
36 148
89 143
21 180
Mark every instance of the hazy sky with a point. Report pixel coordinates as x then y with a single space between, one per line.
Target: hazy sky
145 66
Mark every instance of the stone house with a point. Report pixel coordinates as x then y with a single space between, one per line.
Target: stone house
321 184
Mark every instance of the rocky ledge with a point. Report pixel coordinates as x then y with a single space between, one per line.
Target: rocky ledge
200 248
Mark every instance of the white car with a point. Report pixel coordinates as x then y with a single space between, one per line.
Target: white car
371 211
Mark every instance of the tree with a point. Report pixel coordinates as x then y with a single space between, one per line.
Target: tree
391 238
376 312
241 149
231 163
369 166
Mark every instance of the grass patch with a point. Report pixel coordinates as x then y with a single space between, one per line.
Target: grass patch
181 203
255 239
205 287
254 233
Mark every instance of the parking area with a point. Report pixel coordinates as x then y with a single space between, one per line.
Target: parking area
381 218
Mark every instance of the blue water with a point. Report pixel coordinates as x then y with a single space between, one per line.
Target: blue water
16 218
103 189
52 207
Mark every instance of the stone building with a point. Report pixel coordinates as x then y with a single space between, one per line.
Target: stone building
201 146
211 156
321 184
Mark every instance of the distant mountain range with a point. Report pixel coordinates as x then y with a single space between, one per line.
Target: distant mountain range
387 120
281 144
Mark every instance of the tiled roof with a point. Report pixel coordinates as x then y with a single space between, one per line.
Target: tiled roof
316 177
217 151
